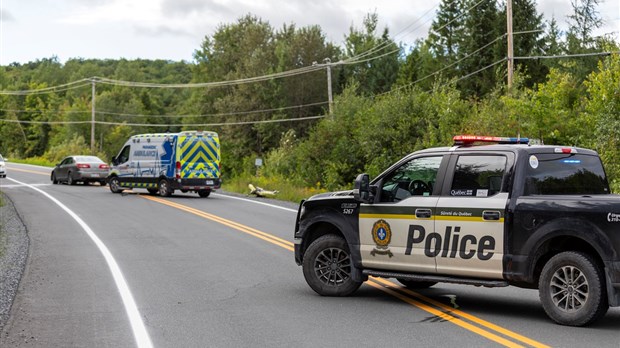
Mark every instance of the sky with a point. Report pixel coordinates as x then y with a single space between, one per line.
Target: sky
174 29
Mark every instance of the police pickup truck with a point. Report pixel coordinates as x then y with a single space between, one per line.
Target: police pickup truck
507 213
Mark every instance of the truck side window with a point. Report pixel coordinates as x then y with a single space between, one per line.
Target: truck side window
565 174
124 155
414 178
478 176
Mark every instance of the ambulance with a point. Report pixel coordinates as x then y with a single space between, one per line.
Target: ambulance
161 163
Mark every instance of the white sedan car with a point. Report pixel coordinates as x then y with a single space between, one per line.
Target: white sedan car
2 168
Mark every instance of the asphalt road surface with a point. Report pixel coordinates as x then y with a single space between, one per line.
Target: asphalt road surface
134 270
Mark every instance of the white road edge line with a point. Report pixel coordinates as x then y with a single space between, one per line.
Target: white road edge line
252 201
139 330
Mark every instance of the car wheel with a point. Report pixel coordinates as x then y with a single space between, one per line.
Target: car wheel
54 180
412 284
164 188
572 289
115 185
204 193
152 191
70 179
327 267
102 182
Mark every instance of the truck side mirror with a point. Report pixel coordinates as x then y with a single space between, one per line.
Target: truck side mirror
361 192
114 161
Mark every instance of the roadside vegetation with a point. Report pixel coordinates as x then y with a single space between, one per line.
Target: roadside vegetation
389 100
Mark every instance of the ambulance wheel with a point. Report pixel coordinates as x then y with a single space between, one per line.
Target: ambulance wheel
152 191
412 284
327 267
70 179
164 188
115 185
572 289
204 193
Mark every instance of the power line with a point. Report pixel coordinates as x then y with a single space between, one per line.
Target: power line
167 125
172 116
60 88
592 54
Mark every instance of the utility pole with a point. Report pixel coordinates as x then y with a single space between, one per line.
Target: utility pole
92 119
510 46
328 63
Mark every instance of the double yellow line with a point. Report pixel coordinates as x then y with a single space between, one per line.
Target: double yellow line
239 227
469 322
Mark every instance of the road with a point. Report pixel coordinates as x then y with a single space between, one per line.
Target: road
133 270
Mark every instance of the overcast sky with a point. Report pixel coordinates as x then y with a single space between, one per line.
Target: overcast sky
173 29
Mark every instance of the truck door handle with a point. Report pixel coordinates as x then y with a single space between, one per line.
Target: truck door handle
423 213
492 215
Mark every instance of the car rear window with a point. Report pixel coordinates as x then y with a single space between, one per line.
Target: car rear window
565 174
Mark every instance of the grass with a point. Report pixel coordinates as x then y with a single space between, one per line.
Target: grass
287 191
38 161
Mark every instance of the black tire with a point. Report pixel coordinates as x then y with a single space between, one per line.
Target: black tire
204 193
115 185
54 180
412 284
164 188
102 182
70 180
152 191
572 289
327 267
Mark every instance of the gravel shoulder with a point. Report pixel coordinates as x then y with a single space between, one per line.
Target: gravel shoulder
13 255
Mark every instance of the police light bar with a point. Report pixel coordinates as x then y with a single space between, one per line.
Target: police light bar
469 139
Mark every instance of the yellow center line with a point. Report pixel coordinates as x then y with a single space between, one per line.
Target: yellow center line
444 315
386 286
251 231
28 171
477 320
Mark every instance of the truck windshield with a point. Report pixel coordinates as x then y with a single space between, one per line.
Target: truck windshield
565 174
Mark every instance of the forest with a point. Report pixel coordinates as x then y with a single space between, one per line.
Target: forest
266 91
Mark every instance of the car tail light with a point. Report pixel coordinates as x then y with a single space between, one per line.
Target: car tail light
178 171
83 165
104 166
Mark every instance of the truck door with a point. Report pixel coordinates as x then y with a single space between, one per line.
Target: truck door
121 163
470 216
393 228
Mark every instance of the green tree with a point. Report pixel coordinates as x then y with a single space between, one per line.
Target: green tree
480 30
370 60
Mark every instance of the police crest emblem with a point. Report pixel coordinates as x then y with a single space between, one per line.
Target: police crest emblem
381 235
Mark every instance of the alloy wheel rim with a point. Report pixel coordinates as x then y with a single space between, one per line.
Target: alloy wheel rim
333 266
569 289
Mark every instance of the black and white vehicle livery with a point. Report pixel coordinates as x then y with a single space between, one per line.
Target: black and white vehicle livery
507 213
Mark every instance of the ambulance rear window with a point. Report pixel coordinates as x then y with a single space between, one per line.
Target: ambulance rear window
565 174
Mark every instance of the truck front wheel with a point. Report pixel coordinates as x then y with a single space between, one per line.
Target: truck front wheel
327 267
572 289
115 185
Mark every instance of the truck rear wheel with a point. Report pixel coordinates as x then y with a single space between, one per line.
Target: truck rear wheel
572 289
204 193
164 188
327 267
